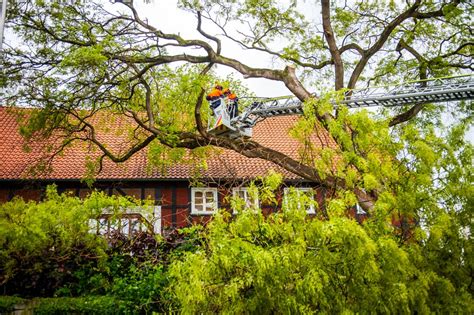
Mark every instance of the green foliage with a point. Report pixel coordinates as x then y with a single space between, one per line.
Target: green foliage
42 244
288 264
412 254
137 270
270 183
84 57
7 303
140 286
82 305
49 249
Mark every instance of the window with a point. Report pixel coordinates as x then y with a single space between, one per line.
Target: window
203 200
243 193
128 223
304 198
359 209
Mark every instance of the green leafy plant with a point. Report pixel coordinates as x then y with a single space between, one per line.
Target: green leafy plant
43 243
82 305
7 303
287 263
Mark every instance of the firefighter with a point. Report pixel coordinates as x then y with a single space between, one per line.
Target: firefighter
233 106
215 97
215 94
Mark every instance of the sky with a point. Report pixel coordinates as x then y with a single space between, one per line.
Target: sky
165 15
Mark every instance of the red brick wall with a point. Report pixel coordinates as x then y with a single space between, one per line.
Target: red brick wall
4 195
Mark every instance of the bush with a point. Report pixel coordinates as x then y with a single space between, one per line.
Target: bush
46 250
42 244
286 263
7 303
136 269
143 286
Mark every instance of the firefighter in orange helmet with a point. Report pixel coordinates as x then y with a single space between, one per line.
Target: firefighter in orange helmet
232 103
215 96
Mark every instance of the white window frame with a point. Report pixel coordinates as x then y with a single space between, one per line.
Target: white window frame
205 204
245 190
104 224
298 190
359 209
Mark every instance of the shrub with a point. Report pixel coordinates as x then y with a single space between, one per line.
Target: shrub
102 305
286 263
47 249
7 303
42 244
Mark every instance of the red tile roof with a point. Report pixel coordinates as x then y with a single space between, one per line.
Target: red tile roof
15 162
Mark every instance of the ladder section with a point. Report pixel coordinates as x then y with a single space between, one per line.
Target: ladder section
268 107
425 91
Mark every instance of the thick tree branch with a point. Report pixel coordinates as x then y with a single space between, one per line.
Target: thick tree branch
436 13
414 110
384 36
424 64
213 38
149 111
352 46
197 115
331 40
411 12
406 116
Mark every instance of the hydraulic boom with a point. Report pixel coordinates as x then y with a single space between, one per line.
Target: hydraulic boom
425 91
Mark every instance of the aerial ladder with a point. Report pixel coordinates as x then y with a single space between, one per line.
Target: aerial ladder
424 91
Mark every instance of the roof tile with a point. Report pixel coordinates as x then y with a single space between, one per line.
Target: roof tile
15 162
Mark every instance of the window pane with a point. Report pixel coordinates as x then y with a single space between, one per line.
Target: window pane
209 196
93 226
125 226
304 198
210 207
103 226
198 194
198 207
359 209
135 226
198 200
114 225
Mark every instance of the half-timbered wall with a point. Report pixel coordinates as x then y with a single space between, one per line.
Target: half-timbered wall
174 197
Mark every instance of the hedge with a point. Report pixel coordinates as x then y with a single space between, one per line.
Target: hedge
102 305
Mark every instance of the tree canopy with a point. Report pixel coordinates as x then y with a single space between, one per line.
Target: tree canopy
287 264
73 61
410 165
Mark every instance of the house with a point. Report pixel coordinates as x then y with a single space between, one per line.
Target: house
178 202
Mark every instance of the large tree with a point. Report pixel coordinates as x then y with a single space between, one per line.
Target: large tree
75 60
413 164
